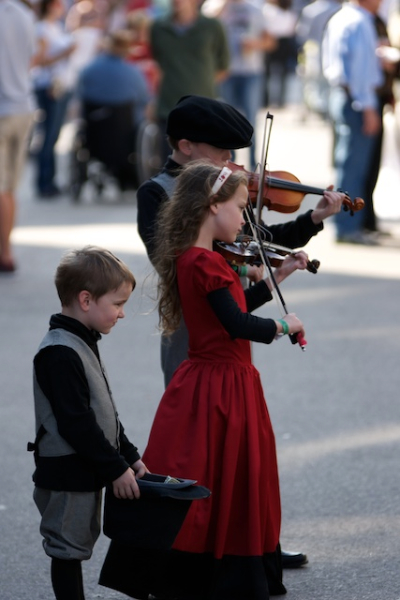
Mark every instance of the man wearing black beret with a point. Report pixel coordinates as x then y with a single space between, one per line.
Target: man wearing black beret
204 128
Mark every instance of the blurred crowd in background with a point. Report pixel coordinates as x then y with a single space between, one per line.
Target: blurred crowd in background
73 34
287 38
120 66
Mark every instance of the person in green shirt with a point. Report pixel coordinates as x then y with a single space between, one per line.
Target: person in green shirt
193 56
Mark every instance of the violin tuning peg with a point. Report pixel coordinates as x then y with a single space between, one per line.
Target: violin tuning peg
313 266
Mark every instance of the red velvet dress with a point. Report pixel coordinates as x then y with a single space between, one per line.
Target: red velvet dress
212 425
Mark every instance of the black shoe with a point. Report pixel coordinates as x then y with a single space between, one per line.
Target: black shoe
293 560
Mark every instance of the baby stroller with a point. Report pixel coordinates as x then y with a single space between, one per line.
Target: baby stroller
104 149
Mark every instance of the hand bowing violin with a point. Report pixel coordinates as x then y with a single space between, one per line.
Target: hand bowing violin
290 323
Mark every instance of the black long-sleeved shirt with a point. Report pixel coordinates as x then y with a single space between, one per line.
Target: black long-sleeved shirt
240 324
61 376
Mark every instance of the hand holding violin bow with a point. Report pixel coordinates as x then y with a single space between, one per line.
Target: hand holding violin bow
289 324
291 263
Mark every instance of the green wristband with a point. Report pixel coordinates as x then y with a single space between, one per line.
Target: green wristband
285 326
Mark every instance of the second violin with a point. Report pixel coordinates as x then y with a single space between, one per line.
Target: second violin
283 192
246 251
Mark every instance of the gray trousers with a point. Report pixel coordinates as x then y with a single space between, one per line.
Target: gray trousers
71 522
174 350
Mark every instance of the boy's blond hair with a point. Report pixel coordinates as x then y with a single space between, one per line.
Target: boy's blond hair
94 269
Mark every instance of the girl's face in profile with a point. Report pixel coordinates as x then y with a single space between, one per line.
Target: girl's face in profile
229 218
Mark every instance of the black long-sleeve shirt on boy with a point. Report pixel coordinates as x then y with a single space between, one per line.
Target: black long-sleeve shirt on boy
61 376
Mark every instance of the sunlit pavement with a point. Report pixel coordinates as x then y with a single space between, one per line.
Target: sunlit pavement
335 408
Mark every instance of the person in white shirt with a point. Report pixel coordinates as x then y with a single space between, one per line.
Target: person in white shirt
53 88
17 46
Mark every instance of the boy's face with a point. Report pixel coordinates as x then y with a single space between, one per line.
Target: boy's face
218 156
103 314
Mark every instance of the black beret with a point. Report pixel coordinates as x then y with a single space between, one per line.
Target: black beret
209 121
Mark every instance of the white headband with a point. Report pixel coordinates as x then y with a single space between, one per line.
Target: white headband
219 182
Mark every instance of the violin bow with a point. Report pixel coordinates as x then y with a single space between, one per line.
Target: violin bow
295 338
264 153
255 226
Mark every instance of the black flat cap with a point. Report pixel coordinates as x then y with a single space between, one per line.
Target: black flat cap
209 121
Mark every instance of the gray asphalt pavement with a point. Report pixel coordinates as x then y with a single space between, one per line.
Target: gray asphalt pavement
335 408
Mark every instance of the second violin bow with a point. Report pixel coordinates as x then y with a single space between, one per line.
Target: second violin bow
263 165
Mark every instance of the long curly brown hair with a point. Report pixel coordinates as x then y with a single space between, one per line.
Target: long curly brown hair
178 228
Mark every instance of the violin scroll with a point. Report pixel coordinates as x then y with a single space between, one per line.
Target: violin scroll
352 206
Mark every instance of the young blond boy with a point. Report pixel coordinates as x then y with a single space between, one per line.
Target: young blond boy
80 443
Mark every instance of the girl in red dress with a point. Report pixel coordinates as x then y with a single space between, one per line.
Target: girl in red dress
212 423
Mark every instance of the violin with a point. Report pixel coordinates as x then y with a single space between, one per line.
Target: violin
246 252
239 254
283 192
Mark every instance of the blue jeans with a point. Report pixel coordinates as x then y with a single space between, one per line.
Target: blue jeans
353 153
54 110
245 93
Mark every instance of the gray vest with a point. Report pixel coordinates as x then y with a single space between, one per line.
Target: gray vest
167 182
101 401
